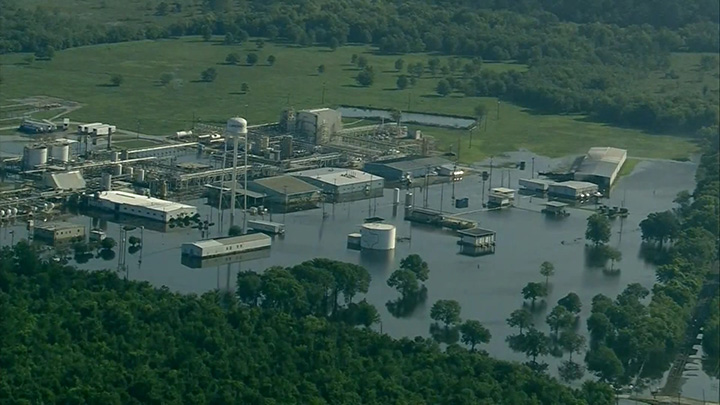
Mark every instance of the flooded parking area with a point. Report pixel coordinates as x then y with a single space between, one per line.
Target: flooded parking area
487 287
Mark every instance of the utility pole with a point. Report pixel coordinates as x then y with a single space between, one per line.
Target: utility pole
452 179
490 177
498 110
442 195
245 181
533 168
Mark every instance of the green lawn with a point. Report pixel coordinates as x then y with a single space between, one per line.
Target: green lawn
82 75
690 78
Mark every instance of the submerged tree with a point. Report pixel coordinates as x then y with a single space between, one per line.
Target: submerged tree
520 318
473 333
547 270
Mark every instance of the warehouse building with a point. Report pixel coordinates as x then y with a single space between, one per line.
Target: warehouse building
286 193
573 189
319 124
395 169
601 166
58 232
121 202
535 185
71 181
339 184
226 246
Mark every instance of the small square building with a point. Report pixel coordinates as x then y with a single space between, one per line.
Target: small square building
58 232
477 241
286 193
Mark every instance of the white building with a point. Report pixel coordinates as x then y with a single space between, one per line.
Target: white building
601 166
341 183
122 202
319 124
226 246
573 189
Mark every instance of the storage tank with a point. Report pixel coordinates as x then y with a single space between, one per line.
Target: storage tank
60 152
140 175
377 236
396 196
115 156
408 200
353 240
106 182
129 171
35 156
117 170
125 155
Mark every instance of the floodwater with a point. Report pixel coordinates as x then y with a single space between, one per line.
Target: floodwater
487 287
433 120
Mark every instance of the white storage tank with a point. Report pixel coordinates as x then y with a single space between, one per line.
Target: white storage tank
106 181
377 236
140 175
117 170
408 200
115 156
36 156
129 171
353 240
60 152
396 196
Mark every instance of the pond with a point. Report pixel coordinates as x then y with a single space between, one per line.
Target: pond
433 120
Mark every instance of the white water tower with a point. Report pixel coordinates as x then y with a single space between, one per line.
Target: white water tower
236 127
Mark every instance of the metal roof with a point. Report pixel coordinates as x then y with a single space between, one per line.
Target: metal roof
241 191
57 226
555 204
476 232
123 197
601 161
503 190
412 164
65 181
286 185
337 176
578 185
231 240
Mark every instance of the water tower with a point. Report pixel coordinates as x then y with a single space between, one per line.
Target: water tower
235 128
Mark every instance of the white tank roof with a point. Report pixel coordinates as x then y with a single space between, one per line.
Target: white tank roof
237 125
376 226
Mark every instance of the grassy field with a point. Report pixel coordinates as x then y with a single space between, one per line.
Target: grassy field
83 75
689 77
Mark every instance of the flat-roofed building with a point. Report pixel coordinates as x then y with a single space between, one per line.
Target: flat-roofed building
286 193
343 184
55 232
573 189
122 202
395 169
601 166
226 245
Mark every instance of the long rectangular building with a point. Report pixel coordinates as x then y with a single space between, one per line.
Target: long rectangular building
122 202
342 184
225 246
601 166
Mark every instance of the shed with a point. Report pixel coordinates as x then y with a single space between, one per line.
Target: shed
55 232
573 189
286 192
226 245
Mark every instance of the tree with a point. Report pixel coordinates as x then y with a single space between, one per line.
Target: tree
443 88
399 64
533 343
229 39
520 318
45 53
600 327
473 333
708 62
248 287
207 33
603 362
166 78
402 82
108 243
366 77
116 80
232 58
559 318
259 43
660 227
571 342
480 112
413 262
208 75
134 240
235 230
271 60
354 59
571 302
532 291
362 62
251 59
362 313
447 312
405 282
333 43
598 229
162 9
547 269
570 371
80 248
321 69
614 255
244 87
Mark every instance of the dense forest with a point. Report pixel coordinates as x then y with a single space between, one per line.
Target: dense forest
630 338
74 337
583 56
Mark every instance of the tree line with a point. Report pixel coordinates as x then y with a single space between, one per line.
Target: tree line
288 335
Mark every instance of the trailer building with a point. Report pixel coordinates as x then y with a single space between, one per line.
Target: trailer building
225 246
122 202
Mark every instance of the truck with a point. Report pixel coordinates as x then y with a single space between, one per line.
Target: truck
273 228
103 130
88 128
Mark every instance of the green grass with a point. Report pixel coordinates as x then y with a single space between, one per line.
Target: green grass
135 143
82 75
690 78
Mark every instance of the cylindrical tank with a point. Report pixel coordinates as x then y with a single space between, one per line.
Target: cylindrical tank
396 196
236 126
129 171
2 213
408 200
35 156
163 188
60 152
125 154
115 156
140 175
106 181
353 240
13 211
377 236
117 170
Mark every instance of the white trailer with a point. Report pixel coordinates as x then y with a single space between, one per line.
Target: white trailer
87 128
103 130
273 228
226 245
